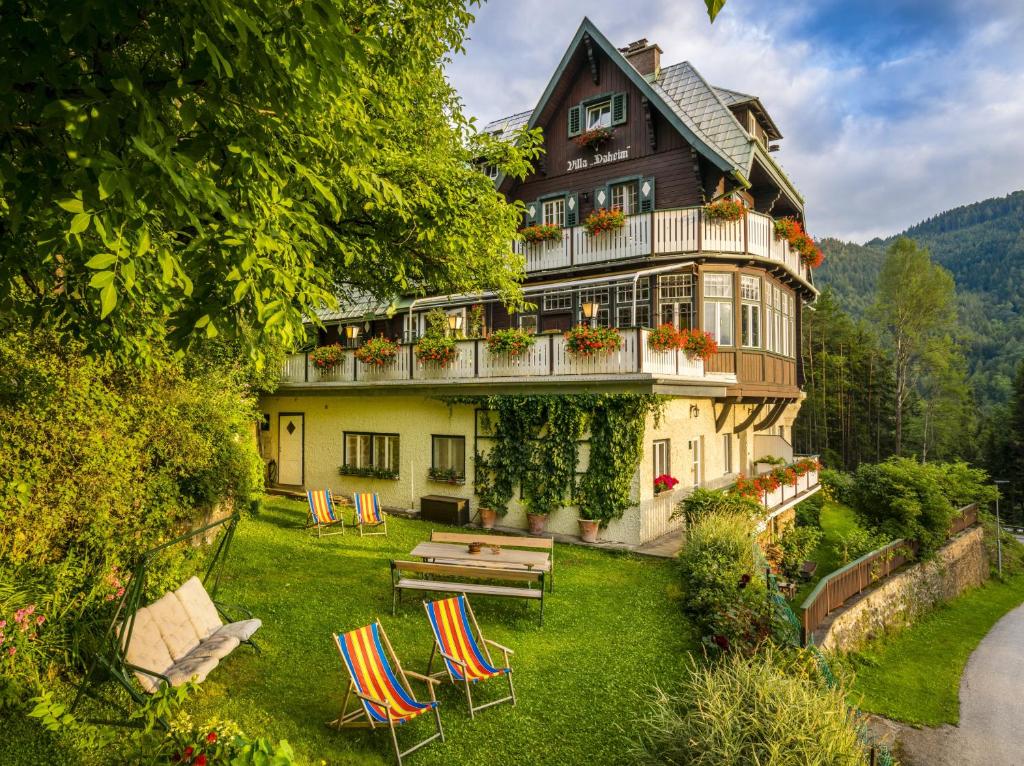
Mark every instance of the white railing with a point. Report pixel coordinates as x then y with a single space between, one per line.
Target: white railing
547 357
679 230
631 241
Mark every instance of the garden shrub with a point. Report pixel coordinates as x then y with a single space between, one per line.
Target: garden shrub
835 485
808 512
702 502
768 709
798 543
858 542
904 498
99 462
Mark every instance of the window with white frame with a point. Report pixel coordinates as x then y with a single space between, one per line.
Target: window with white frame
718 308
600 296
624 304
726 454
789 344
558 301
371 450
528 322
675 300
696 460
662 458
553 212
599 115
625 197
448 454
750 311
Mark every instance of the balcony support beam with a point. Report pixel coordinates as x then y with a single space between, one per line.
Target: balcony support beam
773 416
723 414
745 424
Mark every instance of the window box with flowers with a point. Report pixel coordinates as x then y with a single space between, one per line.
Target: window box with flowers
591 341
664 483
441 351
790 230
328 358
725 211
697 344
377 352
593 138
664 338
368 471
513 342
604 220
446 475
542 232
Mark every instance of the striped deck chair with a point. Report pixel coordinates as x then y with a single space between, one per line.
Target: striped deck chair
368 513
383 699
452 621
322 515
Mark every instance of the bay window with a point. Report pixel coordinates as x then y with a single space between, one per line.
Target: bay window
750 311
718 308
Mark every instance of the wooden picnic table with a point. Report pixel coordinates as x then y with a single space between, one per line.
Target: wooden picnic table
506 558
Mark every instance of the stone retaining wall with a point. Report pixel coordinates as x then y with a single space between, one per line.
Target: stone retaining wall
898 600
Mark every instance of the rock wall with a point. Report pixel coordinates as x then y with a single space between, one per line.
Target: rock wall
898 600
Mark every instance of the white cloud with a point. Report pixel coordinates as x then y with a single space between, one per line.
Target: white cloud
874 146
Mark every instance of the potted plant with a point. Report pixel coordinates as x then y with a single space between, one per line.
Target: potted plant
604 220
766 463
589 528
725 211
664 338
492 504
446 475
664 483
377 351
593 138
542 232
586 341
327 358
440 350
537 523
698 344
513 341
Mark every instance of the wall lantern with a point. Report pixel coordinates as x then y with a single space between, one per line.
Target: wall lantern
455 322
694 411
590 310
352 332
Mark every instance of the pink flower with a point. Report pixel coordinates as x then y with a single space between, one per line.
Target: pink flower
3 623
11 651
40 620
31 608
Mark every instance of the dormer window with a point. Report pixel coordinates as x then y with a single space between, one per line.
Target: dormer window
599 115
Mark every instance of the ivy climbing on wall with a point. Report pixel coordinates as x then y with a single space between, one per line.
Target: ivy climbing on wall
535 445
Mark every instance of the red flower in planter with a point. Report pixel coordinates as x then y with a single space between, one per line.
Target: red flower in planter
664 483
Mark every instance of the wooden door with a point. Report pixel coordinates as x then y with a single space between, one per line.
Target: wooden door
290 448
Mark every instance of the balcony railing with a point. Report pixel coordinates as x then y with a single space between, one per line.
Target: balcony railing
664 232
547 358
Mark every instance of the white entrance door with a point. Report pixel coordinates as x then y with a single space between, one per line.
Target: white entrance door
290 429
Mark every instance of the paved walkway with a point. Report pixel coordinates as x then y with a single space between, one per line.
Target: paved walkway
991 730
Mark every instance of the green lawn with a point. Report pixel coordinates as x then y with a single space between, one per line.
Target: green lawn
836 521
914 675
612 628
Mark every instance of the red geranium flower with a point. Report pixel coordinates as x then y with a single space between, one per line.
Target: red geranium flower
211 737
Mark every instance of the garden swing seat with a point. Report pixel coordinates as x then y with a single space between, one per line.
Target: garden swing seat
180 637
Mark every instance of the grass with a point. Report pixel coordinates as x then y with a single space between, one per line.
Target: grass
914 675
836 521
612 628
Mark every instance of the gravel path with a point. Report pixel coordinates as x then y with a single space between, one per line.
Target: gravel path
991 730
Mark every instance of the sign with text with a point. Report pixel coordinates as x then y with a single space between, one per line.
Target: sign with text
599 158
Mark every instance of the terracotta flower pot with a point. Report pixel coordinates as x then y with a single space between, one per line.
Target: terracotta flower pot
589 529
538 522
487 518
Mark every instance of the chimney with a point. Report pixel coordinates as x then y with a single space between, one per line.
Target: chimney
644 56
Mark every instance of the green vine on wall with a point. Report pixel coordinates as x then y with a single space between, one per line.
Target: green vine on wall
536 446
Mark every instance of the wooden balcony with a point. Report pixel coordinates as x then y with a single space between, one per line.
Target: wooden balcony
548 360
665 232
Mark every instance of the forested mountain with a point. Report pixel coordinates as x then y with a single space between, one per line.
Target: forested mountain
983 246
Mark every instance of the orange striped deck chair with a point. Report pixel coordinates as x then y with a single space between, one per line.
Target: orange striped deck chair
384 698
466 660
322 515
369 513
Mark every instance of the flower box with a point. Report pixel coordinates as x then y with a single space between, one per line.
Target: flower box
664 338
441 351
513 342
327 358
446 475
698 344
369 472
725 211
590 139
604 220
377 352
542 232
590 341
664 483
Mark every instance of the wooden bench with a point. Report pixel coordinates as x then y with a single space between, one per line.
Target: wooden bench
505 541
511 583
808 569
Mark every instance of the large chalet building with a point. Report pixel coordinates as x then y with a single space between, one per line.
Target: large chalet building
676 144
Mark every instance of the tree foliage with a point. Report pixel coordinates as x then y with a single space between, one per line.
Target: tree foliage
192 168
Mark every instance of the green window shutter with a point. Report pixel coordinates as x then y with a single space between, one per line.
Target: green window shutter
575 120
532 212
646 195
602 197
572 209
619 103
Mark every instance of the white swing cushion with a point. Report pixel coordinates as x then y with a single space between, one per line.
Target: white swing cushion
175 626
147 649
199 607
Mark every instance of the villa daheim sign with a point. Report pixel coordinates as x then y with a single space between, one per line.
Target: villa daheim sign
599 158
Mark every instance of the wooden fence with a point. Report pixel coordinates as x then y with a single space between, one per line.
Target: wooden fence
834 589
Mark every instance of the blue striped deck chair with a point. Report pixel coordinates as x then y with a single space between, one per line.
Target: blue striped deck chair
382 696
322 515
369 513
466 660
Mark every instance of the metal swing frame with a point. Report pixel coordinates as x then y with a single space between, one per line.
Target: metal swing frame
109 663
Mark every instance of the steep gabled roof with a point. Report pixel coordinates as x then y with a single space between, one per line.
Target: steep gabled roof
506 126
732 97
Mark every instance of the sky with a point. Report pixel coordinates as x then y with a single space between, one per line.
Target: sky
891 110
